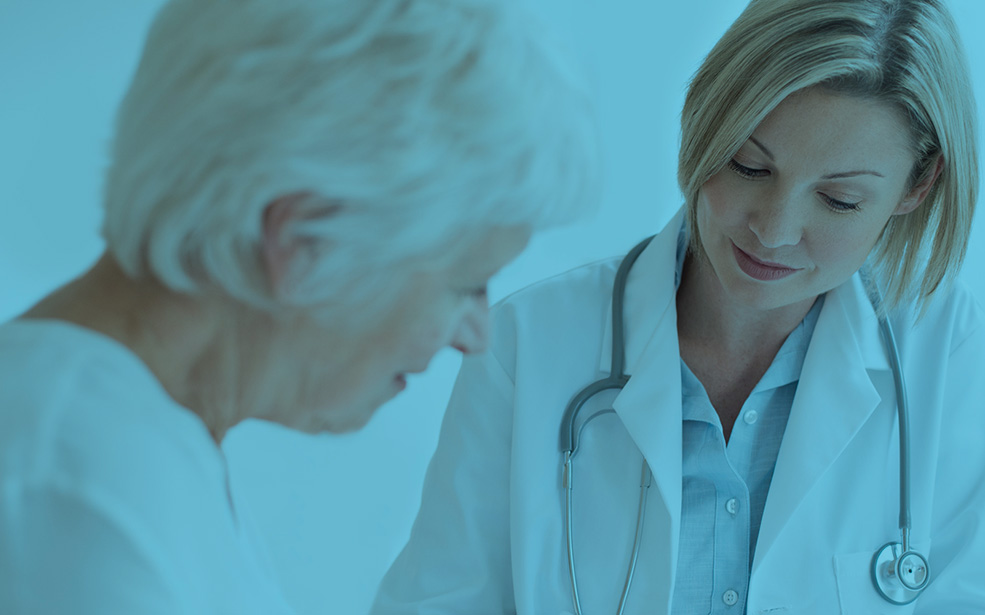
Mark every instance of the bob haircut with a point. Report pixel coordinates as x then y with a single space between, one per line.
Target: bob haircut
409 127
904 53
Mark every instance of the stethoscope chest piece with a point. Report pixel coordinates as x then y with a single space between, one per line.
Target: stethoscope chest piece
899 576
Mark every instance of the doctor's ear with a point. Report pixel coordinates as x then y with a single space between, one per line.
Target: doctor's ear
280 247
916 196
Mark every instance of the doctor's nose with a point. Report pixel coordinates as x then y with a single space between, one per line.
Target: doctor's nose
776 224
471 334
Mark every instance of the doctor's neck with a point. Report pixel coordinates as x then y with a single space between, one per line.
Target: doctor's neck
727 323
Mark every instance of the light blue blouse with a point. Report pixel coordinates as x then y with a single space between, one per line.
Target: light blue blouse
725 486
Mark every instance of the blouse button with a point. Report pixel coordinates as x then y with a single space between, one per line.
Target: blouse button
732 506
730 597
750 417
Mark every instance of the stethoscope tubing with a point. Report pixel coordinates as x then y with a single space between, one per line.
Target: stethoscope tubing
905 519
645 479
903 410
617 379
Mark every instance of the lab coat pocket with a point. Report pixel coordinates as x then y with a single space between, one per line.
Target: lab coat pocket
856 593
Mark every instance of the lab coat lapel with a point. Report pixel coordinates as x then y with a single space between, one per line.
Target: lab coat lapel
650 404
835 396
650 408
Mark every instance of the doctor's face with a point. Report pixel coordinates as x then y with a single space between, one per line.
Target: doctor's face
342 374
799 207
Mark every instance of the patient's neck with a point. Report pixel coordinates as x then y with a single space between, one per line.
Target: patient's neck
177 337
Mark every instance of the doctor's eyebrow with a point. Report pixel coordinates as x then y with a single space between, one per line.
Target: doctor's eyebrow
852 174
769 155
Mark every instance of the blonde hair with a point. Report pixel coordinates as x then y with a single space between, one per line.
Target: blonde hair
427 121
905 53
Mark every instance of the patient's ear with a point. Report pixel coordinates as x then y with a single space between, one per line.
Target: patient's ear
277 248
281 246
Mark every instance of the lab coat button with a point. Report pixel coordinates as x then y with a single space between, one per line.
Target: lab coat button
732 506
730 597
751 417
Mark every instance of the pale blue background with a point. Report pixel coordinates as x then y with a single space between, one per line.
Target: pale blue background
336 510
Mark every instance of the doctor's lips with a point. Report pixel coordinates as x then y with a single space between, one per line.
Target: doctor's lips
764 271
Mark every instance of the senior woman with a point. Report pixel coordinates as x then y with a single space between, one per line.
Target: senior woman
305 202
750 461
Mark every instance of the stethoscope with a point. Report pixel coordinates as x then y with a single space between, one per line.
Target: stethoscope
899 574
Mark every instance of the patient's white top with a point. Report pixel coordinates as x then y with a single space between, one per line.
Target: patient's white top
113 498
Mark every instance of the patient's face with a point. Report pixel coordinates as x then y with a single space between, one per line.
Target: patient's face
346 372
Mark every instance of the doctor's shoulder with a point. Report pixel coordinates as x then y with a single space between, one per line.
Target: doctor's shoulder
954 317
554 313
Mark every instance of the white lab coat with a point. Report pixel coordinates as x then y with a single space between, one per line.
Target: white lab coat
490 534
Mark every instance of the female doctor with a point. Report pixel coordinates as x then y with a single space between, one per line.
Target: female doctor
750 462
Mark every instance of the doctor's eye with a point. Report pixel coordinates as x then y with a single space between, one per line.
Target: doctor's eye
746 172
837 205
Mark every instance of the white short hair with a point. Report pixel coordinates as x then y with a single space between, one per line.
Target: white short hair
428 120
